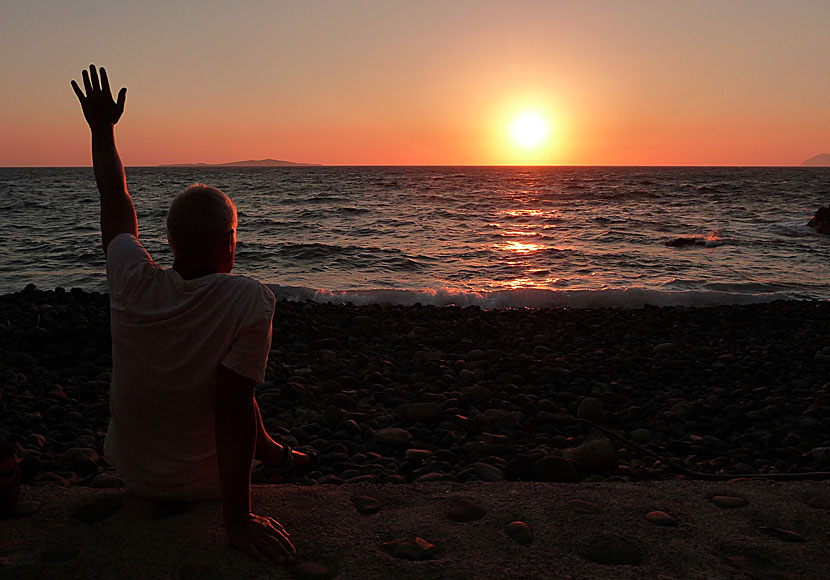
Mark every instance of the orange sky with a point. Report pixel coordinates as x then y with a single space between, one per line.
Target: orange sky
618 82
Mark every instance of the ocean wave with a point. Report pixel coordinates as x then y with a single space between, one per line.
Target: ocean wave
712 240
526 297
347 258
791 230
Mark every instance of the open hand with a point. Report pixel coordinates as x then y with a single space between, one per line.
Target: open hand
100 110
263 538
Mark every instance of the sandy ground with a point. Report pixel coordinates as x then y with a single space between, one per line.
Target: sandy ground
707 542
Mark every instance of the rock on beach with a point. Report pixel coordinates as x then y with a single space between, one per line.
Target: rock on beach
465 510
461 394
412 548
519 532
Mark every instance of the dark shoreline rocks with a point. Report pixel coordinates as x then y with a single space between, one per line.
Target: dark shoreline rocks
406 394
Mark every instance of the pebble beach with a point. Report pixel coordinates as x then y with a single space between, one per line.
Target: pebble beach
471 403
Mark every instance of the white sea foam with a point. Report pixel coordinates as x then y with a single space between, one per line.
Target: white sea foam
527 297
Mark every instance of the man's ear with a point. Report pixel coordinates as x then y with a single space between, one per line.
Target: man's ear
230 238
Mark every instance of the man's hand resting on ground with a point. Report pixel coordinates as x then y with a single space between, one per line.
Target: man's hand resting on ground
100 110
236 433
262 538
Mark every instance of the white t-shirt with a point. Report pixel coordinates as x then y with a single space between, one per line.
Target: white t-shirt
169 336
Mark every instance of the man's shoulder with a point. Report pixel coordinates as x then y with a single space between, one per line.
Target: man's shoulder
129 267
248 287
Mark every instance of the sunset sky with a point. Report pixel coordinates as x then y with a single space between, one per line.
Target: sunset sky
726 82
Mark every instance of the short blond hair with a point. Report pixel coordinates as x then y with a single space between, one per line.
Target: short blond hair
198 219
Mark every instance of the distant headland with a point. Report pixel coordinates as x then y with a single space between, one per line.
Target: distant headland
247 163
821 160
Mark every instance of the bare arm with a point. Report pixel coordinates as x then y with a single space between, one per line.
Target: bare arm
236 432
102 113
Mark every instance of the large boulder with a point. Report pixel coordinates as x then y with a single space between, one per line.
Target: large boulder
821 221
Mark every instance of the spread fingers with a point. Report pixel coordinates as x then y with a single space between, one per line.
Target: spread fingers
78 91
94 75
105 82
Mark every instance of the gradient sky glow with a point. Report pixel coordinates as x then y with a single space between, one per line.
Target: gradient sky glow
728 82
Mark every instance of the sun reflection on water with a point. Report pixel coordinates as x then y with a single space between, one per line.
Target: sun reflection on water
520 247
518 226
526 282
526 212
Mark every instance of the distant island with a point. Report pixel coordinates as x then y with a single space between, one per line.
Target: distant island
248 163
821 160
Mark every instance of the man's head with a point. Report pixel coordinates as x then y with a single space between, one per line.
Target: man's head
201 229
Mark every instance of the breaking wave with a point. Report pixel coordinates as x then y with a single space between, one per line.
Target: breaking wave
526 297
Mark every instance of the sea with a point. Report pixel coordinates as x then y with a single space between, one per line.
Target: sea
493 237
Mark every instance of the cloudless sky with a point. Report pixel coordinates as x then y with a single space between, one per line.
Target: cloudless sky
629 82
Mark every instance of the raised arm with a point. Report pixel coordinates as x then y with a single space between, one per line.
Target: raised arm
102 113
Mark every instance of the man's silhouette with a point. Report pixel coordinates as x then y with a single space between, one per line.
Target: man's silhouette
190 343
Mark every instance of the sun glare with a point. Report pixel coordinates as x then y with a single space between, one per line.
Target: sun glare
529 130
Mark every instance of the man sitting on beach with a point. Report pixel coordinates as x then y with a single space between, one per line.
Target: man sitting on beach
190 343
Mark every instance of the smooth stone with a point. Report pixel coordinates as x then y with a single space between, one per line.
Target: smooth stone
580 506
488 472
729 502
590 409
613 550
819 502
660 518
59 554
98 509
423 412
311 571
520 532
366 505
81 460
24 509
393 436
785 535
641 435
76 454
415 548
495 439
106 481
427 477
22 360
665 348
463 509
37 439
519 468
417 454
554 469
596 456
50 476
367 478
681 408
818 455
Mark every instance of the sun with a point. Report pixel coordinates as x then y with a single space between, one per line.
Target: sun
529 130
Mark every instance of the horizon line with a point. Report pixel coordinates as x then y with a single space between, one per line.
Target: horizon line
318 165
